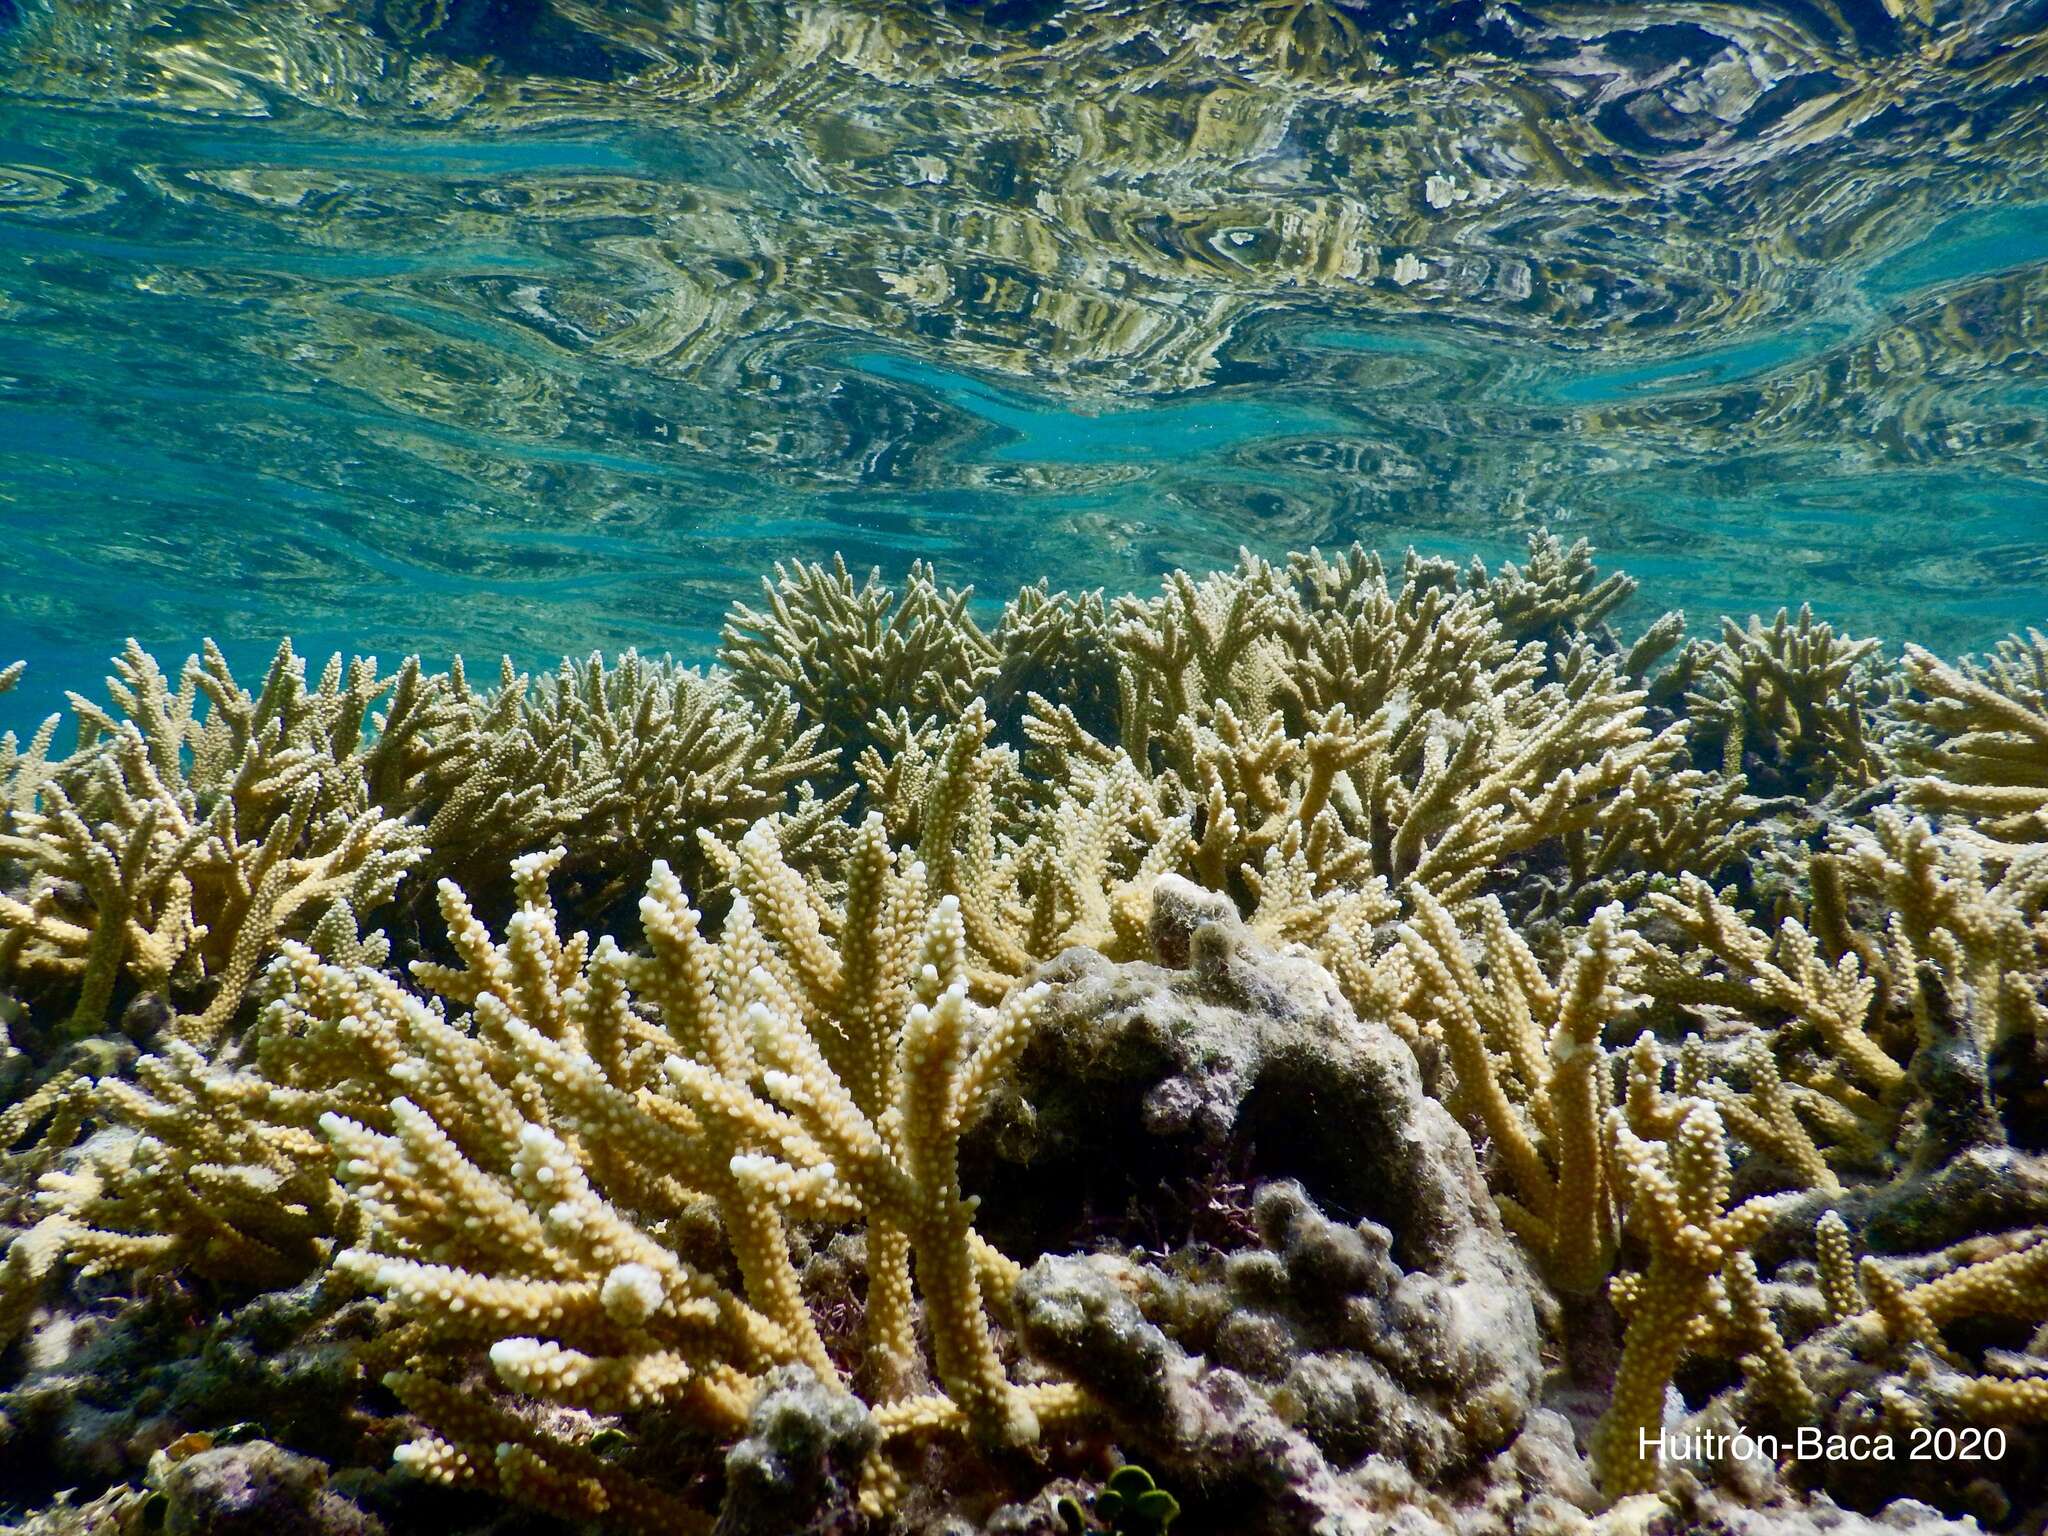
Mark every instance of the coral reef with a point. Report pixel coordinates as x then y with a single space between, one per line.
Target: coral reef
1986 738
1377 1047
173 846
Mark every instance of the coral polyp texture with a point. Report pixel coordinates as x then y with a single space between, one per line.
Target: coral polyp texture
1379 1047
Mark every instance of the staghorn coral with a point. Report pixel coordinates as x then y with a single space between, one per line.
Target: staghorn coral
1877 1035
188 832
678 1217
1031 879
218 1173
533 1165
854 658
1558 593
1965 909
1298 737
1676 1193
1530 1074
1876 1358
621 763
22 767
172 848
528 1224
849 654
1057 643
1987 758
1713 957
1788 705
617 764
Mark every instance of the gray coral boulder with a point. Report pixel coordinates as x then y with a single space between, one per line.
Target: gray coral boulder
1381 1311
256 1489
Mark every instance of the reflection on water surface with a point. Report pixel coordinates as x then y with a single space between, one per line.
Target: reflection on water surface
445 324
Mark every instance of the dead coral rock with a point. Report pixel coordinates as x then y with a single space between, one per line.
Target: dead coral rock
1194 1424
1408 1330
1231 1041
1819 1517
101 1392
256 1489
800 1460
1358 1355
1230 1449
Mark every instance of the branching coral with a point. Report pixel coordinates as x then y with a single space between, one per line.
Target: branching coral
617 764
1301 734
854 657
22 767
1861 1024
849 654
215 1173
1886 1357
1557 593
1792 699
1530 1074
1969 908
1056 643
1386 833
1988 756
170 850
1676 1191
190 830
598 1196
526 1193
1715 957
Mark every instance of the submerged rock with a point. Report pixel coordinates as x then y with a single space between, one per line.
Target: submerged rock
1228 1039
254 1489
1407 1333
799 1463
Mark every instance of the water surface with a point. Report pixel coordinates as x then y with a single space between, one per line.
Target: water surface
539 327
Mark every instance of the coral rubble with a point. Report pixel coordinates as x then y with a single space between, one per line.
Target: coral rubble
1380 1048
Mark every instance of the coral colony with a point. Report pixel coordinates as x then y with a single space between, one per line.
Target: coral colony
1321 1049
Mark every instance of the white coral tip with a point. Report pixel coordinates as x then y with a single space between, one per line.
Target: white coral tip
631 1294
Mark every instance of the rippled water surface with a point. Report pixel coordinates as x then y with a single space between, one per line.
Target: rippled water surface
537 325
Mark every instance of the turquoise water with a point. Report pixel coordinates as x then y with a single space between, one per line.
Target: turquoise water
459 327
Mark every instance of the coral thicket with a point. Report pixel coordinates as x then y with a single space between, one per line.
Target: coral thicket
1350 1038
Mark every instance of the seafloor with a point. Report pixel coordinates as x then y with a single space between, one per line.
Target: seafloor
1324 1048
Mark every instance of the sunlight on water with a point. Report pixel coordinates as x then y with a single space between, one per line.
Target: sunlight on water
398 333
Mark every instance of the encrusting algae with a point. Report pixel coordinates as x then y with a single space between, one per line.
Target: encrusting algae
1380 1048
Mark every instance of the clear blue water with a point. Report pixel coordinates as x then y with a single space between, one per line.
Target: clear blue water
463 327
